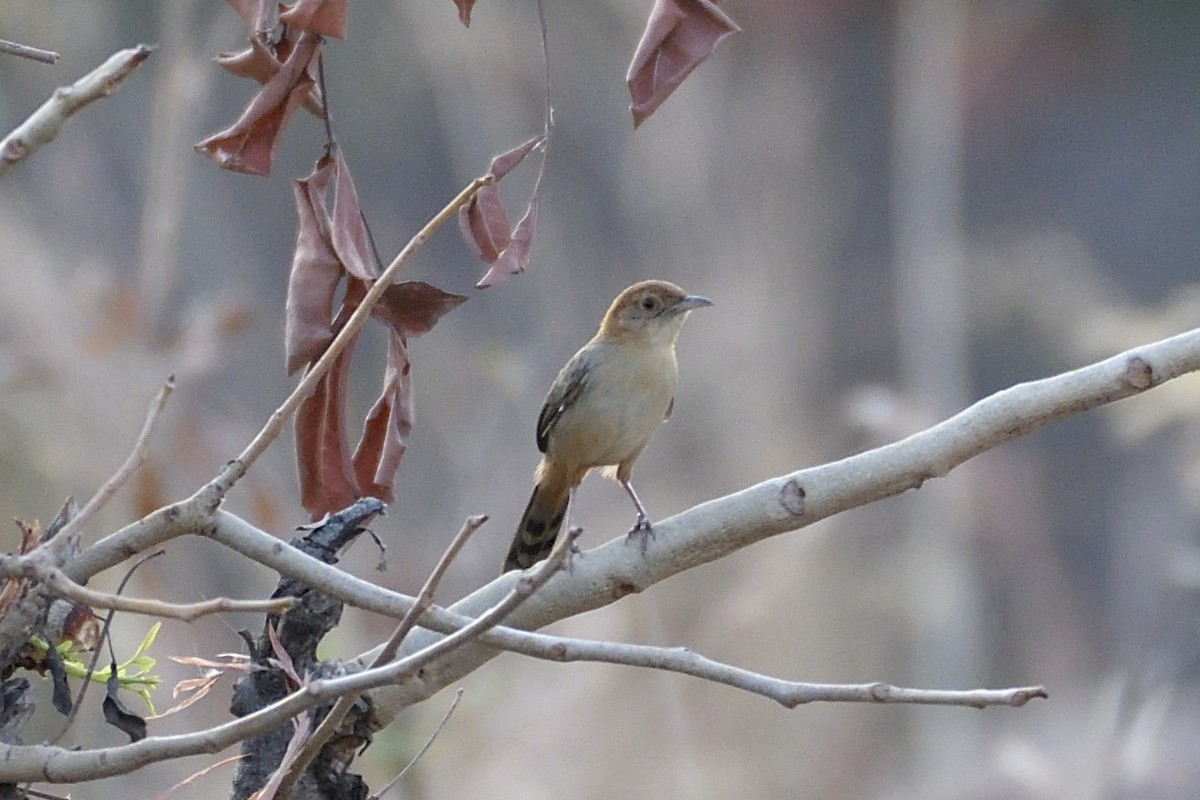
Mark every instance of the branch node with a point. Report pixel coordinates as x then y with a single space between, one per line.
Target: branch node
792 497
1139 373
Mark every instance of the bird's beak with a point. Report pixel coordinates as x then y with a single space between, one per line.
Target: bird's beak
692 301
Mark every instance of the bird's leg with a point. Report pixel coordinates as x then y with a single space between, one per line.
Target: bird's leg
570 524
642 526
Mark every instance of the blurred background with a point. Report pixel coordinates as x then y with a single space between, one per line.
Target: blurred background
898 208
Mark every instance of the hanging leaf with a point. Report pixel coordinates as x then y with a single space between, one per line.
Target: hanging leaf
412 308
249 144
313 280
515 257
679 35
326 473
115 712
390 420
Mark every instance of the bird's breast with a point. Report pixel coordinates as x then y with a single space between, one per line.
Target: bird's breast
626 397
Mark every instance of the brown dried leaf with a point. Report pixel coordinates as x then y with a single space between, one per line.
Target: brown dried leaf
484 224
326 473
502 164
259 63
314 276
350 240
464 11
515 257
387 425
412 308
679 35
326 17
249 144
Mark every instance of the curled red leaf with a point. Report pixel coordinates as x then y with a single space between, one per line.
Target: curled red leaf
484 224
386 428
249 144
259 62
326 17
349 232
326 473
483 221
312 283
515 257
679 35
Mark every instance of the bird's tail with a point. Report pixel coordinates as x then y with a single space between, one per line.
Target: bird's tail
539 524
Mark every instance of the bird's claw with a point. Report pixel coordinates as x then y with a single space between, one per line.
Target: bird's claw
574 550
643 530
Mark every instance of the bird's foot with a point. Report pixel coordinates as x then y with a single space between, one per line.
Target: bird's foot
642 530
574 532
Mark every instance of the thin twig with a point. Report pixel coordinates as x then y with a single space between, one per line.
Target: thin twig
133 461
341 708
44 124
26 51
382 790
234 470
59 583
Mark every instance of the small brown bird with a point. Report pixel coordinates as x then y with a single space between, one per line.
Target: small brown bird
602 409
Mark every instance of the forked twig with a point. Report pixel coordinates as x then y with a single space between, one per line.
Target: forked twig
341 708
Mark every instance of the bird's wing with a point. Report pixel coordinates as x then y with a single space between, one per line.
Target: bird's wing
567 388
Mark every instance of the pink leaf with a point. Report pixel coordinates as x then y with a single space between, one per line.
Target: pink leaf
388 424
679 35
249 144
350 240
515 257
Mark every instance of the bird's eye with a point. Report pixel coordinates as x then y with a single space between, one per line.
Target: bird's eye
649 303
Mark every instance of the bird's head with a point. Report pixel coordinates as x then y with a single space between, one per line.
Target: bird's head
654 310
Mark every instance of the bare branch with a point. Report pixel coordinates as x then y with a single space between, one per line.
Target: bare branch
341 708
44 124
41 570
25 51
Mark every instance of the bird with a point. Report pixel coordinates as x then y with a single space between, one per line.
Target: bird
602 409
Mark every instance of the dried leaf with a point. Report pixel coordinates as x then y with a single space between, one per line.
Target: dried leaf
314 277
484 224
679 35
350 240
326 17
386 428
515 257
259 63
322 451
412 308
115 712
502 164
464 11
249 144
61 696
